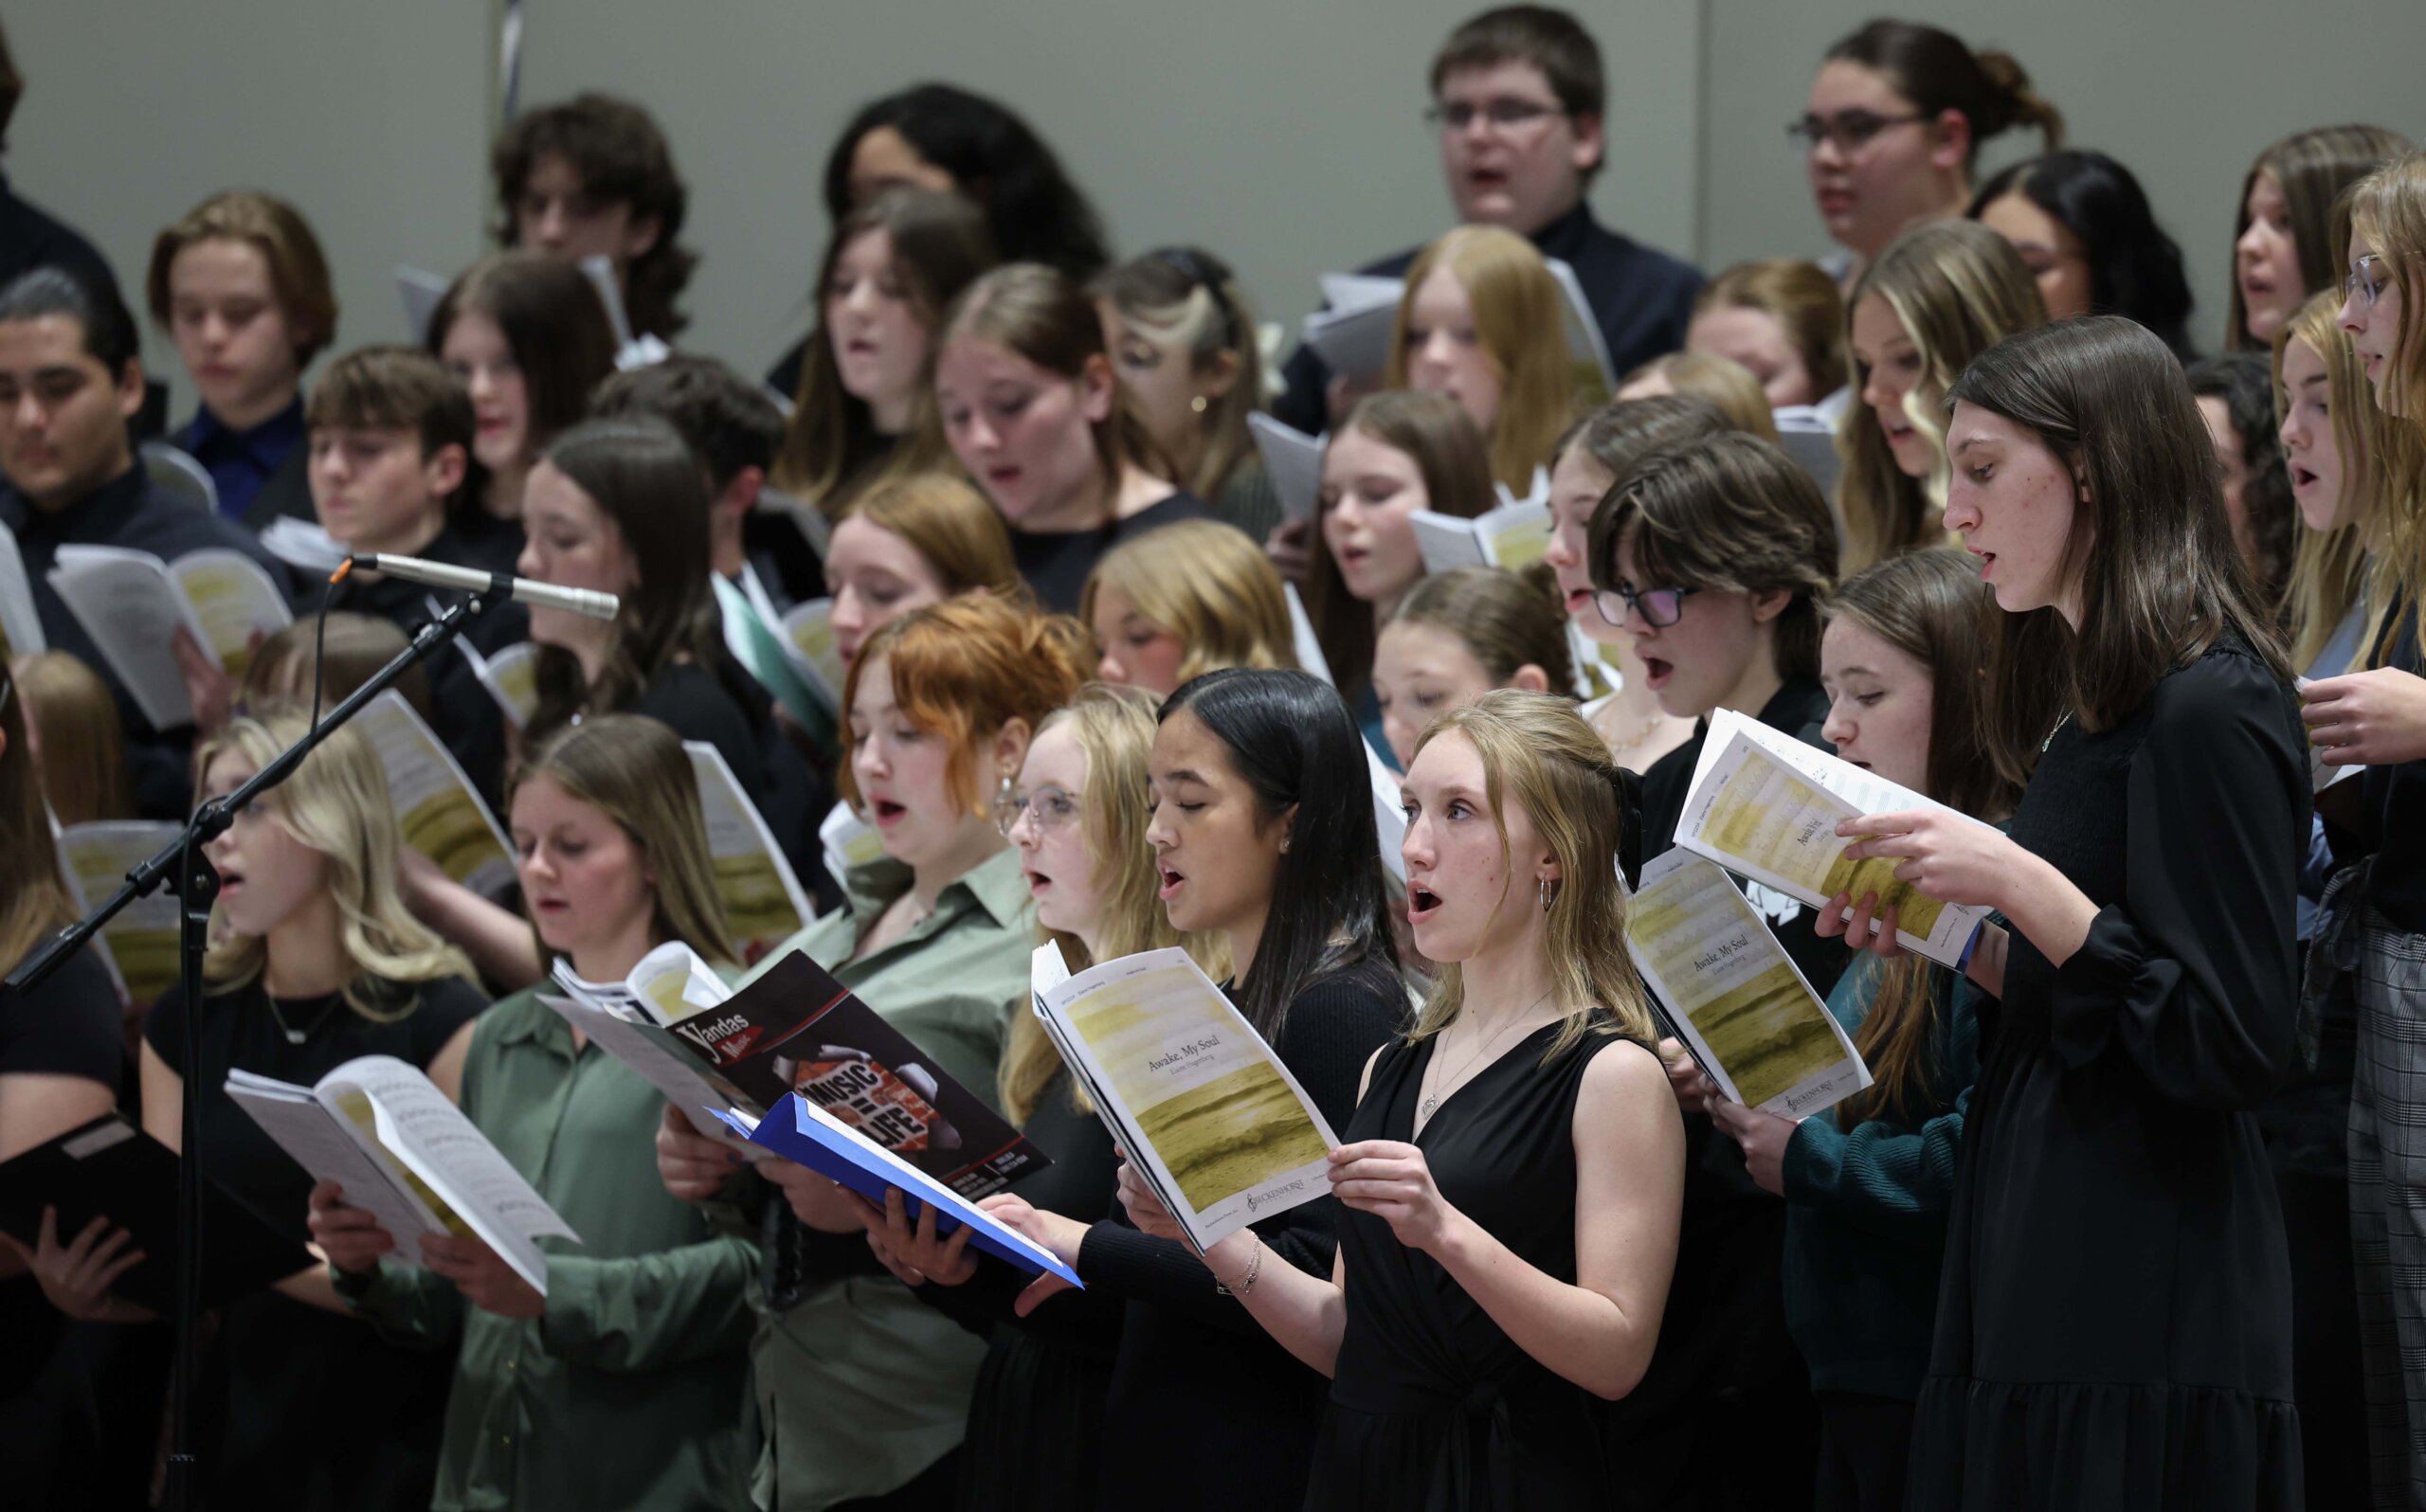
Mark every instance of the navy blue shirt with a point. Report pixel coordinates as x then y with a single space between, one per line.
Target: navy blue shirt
1643 299
126 512
241 462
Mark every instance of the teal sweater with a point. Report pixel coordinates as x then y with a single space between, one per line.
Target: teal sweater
1866 1210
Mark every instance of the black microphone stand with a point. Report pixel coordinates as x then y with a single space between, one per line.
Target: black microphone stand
182 868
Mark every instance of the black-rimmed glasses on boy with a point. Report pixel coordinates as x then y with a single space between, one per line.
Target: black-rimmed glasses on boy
1851 132
1659 607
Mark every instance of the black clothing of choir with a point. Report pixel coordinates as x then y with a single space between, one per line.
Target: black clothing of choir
1432 1404
1056 566
2114 1328
306 1409
1724 1356
1205 1410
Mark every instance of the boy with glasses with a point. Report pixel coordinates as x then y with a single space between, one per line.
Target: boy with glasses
1518 103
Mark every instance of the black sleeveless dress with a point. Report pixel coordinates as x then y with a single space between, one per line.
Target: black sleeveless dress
1432 1406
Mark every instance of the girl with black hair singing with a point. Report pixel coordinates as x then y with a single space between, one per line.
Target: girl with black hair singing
1263 833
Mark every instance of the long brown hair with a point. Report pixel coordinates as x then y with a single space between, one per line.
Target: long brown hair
2313 167
646 484
1434 432
1506 620
34 899
940 245
84 738
2389 208
1927 604
1522 329
1036 312
554 323
634 770
2159 576
1957 289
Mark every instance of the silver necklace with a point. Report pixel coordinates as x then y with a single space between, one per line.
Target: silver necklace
2065 719
1431 1102
295 1036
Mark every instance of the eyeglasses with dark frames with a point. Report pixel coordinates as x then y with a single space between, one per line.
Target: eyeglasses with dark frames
1852 130
1659 607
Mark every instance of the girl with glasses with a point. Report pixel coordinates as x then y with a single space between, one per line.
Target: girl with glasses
2082 223
1867 1182
1078 818
2372 932
1596 451
1894 124
1717 552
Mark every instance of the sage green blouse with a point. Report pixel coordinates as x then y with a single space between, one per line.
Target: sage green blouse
629 1390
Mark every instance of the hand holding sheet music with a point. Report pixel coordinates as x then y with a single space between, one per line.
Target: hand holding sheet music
1766 806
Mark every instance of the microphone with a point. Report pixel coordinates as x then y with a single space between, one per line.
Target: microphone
496 585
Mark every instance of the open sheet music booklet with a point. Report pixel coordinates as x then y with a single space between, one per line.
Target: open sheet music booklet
139 946
1733 995
764 903
1209 1114
20 623
795 1029
1514 535
382 1130
1293 461
441 814
1765 806
1352 333
512 677
805 1134
130 603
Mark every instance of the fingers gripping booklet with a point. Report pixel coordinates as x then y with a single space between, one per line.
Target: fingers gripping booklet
795 1029
383 1131
1733 995
1208 1115
1765 806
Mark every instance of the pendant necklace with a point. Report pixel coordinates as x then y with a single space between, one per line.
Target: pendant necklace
295 1036
1431 1102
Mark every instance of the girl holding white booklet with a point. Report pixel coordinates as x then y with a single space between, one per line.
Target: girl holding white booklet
316 964
1262 832
1515 1169
1867 1182
615 1386
2147 976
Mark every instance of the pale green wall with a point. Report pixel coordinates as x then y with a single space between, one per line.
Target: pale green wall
1284 135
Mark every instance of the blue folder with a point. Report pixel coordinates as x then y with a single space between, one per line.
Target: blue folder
792 1130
